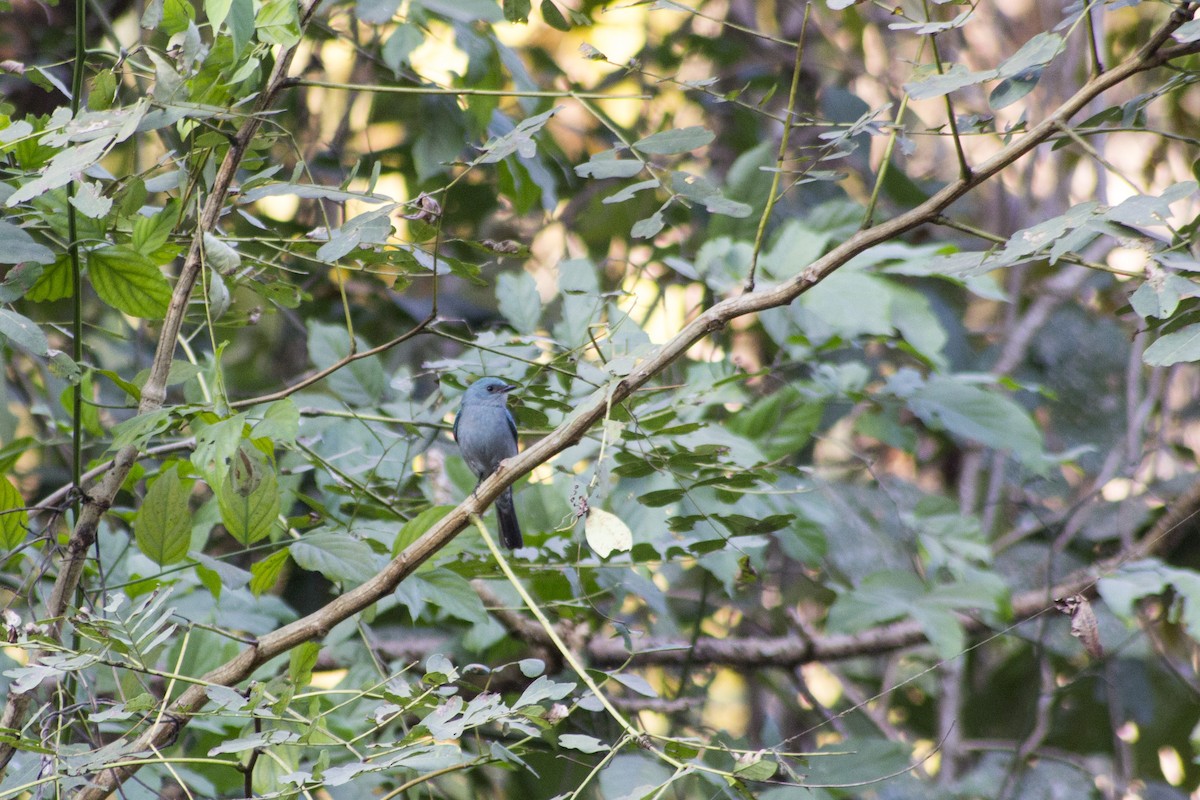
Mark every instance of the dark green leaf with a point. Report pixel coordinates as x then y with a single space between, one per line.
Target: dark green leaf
516 10
554 17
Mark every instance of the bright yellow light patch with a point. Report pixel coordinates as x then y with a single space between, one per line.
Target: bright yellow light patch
329 679
438 59
822 683
726 708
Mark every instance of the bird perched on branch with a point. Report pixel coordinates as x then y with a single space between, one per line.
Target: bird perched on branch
486 435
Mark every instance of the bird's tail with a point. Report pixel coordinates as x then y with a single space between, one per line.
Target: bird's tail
510 529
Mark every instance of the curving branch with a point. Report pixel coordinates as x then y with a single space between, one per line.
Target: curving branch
1154 53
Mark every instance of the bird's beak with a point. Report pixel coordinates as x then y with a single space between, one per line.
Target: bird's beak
509 387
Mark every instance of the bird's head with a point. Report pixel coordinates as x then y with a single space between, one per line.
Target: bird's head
488 391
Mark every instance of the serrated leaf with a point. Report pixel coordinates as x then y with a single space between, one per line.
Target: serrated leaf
280 423
249 497
129 282
53 284
163 526
278 22
152 232
14 519
264 574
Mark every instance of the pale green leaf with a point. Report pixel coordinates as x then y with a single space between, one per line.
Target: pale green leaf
519 301
17 246
1179 346
338 556
23 332
674 142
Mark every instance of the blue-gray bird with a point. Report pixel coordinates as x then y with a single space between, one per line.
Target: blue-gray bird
486 435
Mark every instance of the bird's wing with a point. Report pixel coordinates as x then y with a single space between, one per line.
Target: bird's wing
512 424
457 417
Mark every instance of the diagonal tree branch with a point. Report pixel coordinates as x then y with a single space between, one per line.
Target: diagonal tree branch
315 625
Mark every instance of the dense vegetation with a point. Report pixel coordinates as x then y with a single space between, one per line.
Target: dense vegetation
855 348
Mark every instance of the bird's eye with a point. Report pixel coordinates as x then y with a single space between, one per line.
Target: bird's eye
491 388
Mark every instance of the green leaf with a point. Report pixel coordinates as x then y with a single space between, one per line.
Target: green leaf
607 165
249 496
220 256
1173 348
264 574
520 139
163 526
400 45
216 11
759 770
17 246
519 301
454 595
417 526
338 556
650 226
176 16
554 17
216 444
362 382
14 519
301 662
54 283
280 423
19 280
582 743
981 415
956 77
631 191
673 142
541 690
516 10
137 431
278 22
129 282
23 332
